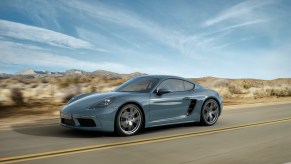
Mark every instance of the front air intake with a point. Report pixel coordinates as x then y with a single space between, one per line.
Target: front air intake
86 122
68 121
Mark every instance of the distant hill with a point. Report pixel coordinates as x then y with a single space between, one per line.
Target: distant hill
74 71
104 72
4 76
30 73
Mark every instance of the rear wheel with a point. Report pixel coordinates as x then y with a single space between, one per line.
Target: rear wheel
129 120
209 112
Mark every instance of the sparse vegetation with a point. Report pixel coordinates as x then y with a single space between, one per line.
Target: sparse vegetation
46 95
279 92
55 89
16 96
248 88
235 89
70 92
247 84
66 81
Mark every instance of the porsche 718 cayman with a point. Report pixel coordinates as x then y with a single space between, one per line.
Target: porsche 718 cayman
143 102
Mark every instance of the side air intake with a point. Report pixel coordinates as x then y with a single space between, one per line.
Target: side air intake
191 107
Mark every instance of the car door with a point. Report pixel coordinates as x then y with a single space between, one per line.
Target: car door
170 106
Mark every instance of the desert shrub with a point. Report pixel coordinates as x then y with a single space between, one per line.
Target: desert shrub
221 83
16 96
226 95
116 82
288 91
247 84
3 85
224 92
24 81
85 79
67 97
69 80
92 89
234 89
74 80
44 80
63 84
260 94
99 89
33 85
70 92
279 92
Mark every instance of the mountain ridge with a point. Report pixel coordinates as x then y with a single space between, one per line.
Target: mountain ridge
31 73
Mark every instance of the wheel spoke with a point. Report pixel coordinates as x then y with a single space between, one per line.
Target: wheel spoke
211 106
124 115
210 117
131 111
123 124
130 127
214 112
137 119
214 107
134 113
206 116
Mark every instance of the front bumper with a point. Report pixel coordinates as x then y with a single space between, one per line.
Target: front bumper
91 123
98 120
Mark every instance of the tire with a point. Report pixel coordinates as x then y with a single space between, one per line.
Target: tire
129 120
209 112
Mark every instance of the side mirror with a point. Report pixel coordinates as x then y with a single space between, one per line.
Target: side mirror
162 91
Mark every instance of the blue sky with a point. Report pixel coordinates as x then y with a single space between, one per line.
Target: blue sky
233 39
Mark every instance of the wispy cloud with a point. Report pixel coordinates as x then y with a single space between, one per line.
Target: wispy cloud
36 34
188 45
30 56
16 54
224 45
193 45
125 18
241 25
242 11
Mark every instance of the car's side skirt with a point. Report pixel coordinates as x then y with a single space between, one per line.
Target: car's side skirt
173 123
173 120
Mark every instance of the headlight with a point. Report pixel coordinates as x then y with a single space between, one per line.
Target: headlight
103 103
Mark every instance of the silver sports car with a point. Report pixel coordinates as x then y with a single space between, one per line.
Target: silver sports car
143 102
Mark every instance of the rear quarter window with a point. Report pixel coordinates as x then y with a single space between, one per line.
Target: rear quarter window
188 86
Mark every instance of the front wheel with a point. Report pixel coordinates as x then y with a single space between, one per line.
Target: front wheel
209 112
129 120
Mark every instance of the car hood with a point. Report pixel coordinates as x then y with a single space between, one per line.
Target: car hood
87 101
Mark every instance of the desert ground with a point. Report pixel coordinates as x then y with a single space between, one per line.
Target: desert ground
29 97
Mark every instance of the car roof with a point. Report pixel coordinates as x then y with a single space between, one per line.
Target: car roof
161 77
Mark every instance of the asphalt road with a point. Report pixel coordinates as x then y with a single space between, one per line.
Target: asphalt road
246 135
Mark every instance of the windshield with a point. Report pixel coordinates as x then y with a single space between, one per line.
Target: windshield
139 84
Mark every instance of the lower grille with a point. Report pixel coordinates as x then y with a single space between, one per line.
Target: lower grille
86 122
68 121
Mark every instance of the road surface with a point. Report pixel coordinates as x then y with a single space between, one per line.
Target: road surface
244 135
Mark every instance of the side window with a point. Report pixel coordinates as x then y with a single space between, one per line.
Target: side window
188 86
173 85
